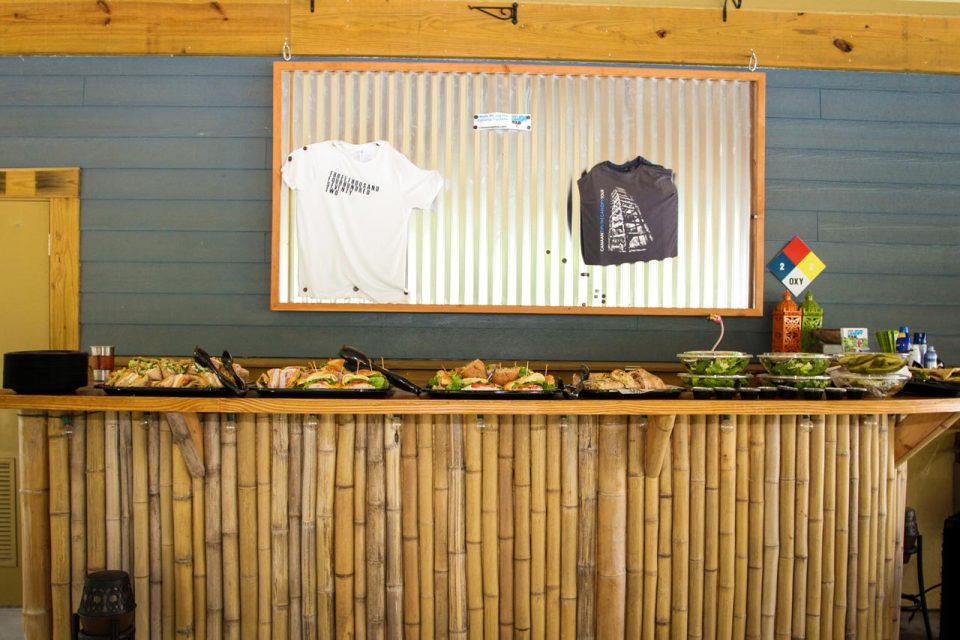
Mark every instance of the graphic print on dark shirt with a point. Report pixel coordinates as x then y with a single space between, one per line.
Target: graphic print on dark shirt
628 213
338 184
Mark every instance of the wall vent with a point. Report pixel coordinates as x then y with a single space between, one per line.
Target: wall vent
8 512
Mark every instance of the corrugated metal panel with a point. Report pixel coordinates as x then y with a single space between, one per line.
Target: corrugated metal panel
505 230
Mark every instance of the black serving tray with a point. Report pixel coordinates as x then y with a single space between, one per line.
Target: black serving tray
179 392
490 394
576 393
933 388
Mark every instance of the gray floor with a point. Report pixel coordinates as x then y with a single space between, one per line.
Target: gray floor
10 626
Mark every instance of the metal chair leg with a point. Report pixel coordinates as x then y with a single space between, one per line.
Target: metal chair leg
922 589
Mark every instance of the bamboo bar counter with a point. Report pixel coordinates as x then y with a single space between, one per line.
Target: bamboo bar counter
406 517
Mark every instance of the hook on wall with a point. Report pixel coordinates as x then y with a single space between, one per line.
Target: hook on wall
500 13
736 5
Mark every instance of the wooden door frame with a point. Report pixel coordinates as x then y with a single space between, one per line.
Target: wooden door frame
60 188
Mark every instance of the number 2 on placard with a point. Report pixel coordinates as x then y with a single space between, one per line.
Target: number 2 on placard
783 267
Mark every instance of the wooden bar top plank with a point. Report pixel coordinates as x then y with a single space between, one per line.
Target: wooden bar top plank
915 431
406 404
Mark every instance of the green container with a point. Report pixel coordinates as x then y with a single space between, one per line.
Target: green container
697 380
717 363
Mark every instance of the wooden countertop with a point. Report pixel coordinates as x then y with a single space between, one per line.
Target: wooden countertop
402 403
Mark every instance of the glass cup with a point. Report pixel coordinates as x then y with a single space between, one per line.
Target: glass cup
101 362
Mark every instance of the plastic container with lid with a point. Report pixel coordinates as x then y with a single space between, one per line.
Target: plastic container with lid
930 358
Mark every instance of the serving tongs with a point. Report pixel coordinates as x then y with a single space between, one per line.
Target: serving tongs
233 381
360 359
573 390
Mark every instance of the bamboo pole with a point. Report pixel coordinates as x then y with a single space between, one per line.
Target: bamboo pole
96 494
711 554
324 570
901 483
813 584
664 551
227 564
294 503
680 596
634 550
425 522
538 526
505 525
727 528
215 483
569 505
247 514
375 535
456 535
409 502
59 505
755 519
279 525
521 520
360 527
651 522
183 558
828 541
853 535
264 445
659 429
314 556
788 499
140 436
343 521
78 511
126 492
894 536
441 491
884 531
771 529
875 552
199 558
35 525
587 535
316 596
474 524
552 481
168 588
864 527
111 473
698 488
153 498
741 534
800 535
393 529
490 530
611 525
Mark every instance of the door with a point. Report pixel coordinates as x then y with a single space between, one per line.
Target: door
24 242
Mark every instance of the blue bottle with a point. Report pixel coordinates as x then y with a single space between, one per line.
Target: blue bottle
930 359
903 340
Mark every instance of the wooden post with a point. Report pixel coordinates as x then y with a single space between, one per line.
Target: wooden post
456 535
611 525
140 437
229 559
587 535
425 522
279 572
35 525
343 542
393 577
680 596
314 556
215 520
248 515
78 513
59 505
327 457
264 443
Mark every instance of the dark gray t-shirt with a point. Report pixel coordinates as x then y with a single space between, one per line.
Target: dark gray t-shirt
628 213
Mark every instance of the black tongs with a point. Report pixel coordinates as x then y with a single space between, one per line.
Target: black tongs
573 390
225 374
360 359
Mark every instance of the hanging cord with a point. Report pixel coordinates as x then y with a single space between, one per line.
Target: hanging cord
286 51
754 63
714 317
736 5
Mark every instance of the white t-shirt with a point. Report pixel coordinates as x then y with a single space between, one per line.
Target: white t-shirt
353 209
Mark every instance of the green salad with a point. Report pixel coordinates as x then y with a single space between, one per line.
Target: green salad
797 382
795 364
697 380
717 363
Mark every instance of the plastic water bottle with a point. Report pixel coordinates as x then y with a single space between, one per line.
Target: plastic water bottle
920 339
930 359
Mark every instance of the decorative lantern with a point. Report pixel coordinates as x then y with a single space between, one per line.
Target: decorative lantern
107 608
787 319
812 320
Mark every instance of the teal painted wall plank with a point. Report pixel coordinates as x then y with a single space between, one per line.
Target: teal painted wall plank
177 91
22 91
175 215
141 153
891 106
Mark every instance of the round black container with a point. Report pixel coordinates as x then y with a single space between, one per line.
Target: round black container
50 372
106 601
